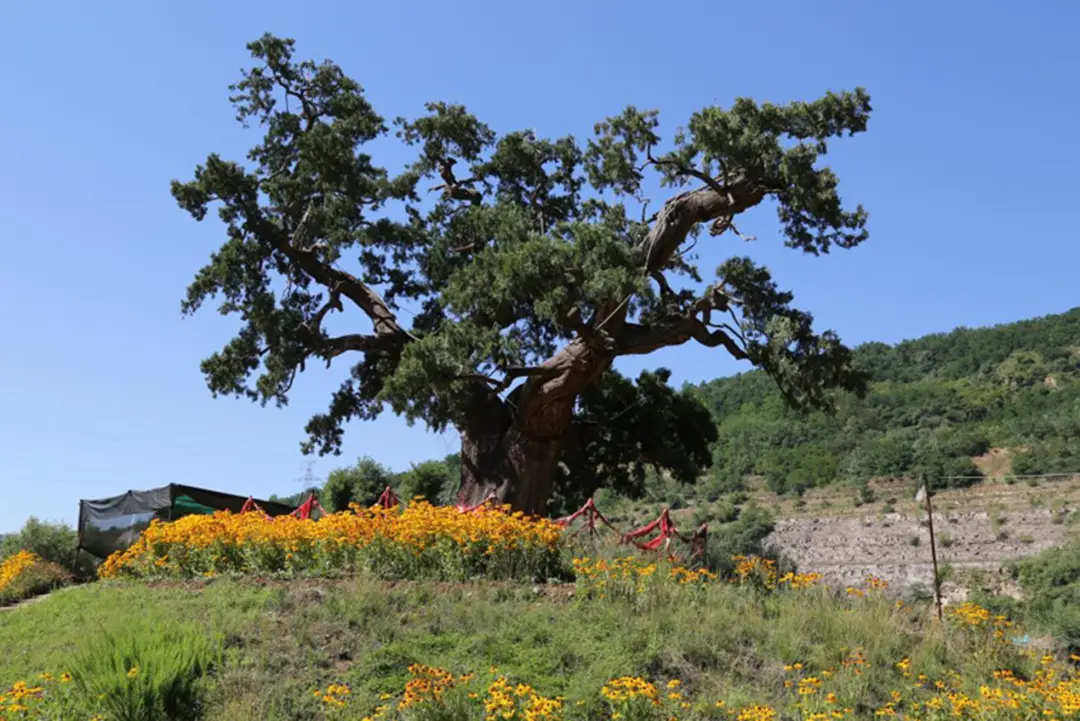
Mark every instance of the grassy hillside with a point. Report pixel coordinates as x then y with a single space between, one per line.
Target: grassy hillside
936 405
427 614
723 652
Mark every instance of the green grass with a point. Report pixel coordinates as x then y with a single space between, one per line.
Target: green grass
281 641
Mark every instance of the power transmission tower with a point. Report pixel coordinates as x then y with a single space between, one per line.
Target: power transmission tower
309 480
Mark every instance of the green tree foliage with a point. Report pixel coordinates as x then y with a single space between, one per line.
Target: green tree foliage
294 499
624 429
362 483
934 404
534 268
429 479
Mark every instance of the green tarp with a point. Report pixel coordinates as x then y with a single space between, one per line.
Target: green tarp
186 506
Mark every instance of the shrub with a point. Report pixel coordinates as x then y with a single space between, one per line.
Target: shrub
726 513
25 574
864 494
1051 581
146 673
742 537
53 542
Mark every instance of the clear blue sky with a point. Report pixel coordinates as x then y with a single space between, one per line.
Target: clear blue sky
968 172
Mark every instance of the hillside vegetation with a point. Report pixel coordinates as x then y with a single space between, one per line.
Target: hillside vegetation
358 649
938 405
935 405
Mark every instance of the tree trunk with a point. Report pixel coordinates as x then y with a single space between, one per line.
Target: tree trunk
508 466
510 448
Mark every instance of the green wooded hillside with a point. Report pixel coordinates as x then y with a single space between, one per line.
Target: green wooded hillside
935 404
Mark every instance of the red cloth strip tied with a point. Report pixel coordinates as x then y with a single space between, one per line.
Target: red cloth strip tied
305 509
591 513
251 505
388 499
662 541
489 499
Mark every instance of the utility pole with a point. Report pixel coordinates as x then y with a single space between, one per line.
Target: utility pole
933 544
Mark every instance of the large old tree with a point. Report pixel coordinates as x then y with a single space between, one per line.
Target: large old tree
527 266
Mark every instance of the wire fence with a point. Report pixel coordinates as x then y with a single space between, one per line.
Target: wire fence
1018 476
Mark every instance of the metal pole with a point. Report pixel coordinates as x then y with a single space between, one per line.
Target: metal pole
933 546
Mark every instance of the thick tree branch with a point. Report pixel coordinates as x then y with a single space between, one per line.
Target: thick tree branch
638 339
333 347
676 329
686 210
682 169
329 348
339 281
678 217
661 280
511 375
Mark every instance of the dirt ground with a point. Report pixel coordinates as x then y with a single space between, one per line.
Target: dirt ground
976 529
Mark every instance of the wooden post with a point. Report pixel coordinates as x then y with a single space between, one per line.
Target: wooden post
933 545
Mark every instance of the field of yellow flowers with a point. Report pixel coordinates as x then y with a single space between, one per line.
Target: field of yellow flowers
419 541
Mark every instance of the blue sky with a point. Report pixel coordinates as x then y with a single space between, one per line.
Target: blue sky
967 172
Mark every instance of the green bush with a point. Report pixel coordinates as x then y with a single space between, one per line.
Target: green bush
41 577
53 542
742 537
147 673
1051 582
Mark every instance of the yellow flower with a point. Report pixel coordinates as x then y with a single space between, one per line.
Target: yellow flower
13 567
210 545
133 672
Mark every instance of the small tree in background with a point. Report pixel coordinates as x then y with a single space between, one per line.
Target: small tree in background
429 479
362 483
537 264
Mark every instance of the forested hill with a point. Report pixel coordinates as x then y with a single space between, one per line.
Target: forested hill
938 405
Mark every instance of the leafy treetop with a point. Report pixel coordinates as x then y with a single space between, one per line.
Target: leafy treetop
531 246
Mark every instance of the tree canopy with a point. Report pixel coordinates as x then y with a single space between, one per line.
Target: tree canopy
529 267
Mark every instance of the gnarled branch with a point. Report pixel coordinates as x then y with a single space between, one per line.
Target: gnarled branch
511 375
362 295
636 339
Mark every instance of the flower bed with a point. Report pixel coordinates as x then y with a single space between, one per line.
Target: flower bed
25 574
420 541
